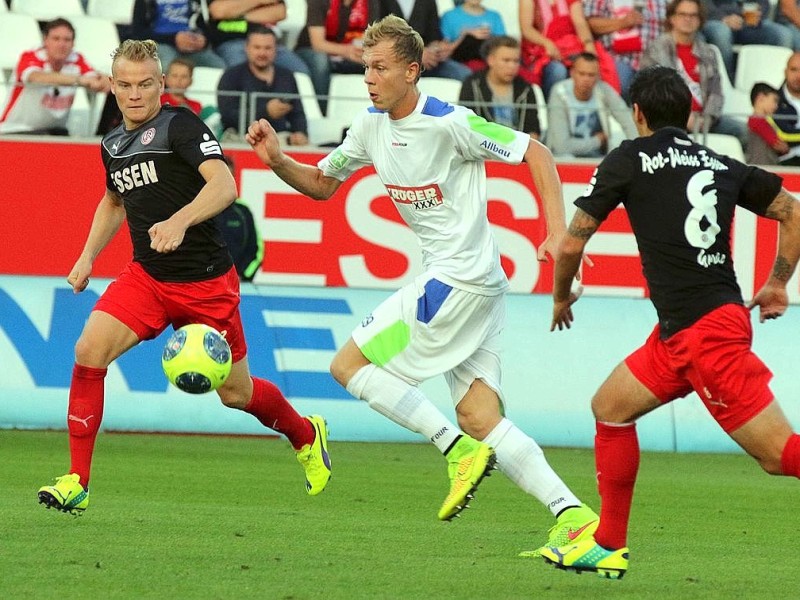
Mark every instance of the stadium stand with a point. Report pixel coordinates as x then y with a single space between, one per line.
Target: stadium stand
721 143
95 38
760 62
46 10
204 85
119 12
541 109
509 10
440 87
347 96
19 33
294 22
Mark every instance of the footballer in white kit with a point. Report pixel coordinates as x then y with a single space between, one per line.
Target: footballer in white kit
432 164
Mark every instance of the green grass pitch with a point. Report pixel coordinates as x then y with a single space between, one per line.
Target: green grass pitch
226 517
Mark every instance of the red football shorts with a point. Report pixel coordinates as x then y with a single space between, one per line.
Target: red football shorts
714 358
147 306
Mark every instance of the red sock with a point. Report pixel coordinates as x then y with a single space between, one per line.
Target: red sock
616 454
84 415
790 458
269 406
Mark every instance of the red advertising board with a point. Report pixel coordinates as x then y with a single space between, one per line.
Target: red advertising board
50 191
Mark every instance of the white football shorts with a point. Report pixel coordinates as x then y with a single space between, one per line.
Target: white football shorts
429 328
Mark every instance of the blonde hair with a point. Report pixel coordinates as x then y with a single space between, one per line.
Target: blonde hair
408 44
136 51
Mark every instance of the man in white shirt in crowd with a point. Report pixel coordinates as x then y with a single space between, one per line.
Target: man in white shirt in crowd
46 80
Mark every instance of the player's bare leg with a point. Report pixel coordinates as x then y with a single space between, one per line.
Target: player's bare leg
768 437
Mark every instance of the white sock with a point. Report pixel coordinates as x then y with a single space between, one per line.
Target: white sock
522 460
404 404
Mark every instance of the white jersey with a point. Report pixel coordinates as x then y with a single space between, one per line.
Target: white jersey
432 164
39 107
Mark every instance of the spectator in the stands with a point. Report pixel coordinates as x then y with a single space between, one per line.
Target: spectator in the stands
229 21
175 25
764 146
787 116
579 112
684 50
498 93
626 28
270 91
467 26
728 24
787 13
552 36
423 16
177 80
331 40
46 80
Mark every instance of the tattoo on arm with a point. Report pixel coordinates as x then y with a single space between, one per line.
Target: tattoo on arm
781 208
781 270
583 225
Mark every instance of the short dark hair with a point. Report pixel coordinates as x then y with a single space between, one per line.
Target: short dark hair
497 41
672 8
262 30
761 88
587 56
57 23
179 60
663 97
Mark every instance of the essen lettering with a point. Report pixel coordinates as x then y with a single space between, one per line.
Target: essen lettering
137 175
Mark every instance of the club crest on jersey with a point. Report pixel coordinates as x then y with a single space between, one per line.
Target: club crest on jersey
148 136
420 198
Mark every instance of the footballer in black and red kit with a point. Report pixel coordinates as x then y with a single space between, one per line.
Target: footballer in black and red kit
680 198
165 176
154 169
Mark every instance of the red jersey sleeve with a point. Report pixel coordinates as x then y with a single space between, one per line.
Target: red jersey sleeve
763 129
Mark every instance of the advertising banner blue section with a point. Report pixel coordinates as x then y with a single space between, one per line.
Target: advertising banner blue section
293 333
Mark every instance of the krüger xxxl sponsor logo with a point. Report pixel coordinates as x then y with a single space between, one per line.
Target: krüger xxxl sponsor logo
422 197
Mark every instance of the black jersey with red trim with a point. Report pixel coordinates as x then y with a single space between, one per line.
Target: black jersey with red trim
680 198
155 169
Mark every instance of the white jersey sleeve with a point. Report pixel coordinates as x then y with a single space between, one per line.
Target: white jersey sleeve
479 139
350 155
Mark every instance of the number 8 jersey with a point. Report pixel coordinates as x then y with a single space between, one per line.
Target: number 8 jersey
680 198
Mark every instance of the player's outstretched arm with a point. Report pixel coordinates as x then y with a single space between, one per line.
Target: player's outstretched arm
306 179
568 260
108 218
545 177
772 298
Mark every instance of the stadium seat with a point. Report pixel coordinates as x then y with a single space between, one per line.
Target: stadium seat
443 88
509 10
347 96
47 10
19 33
294 22
119 12
320 130
541 109
760 62
721 143
204 85
96 39
444 5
